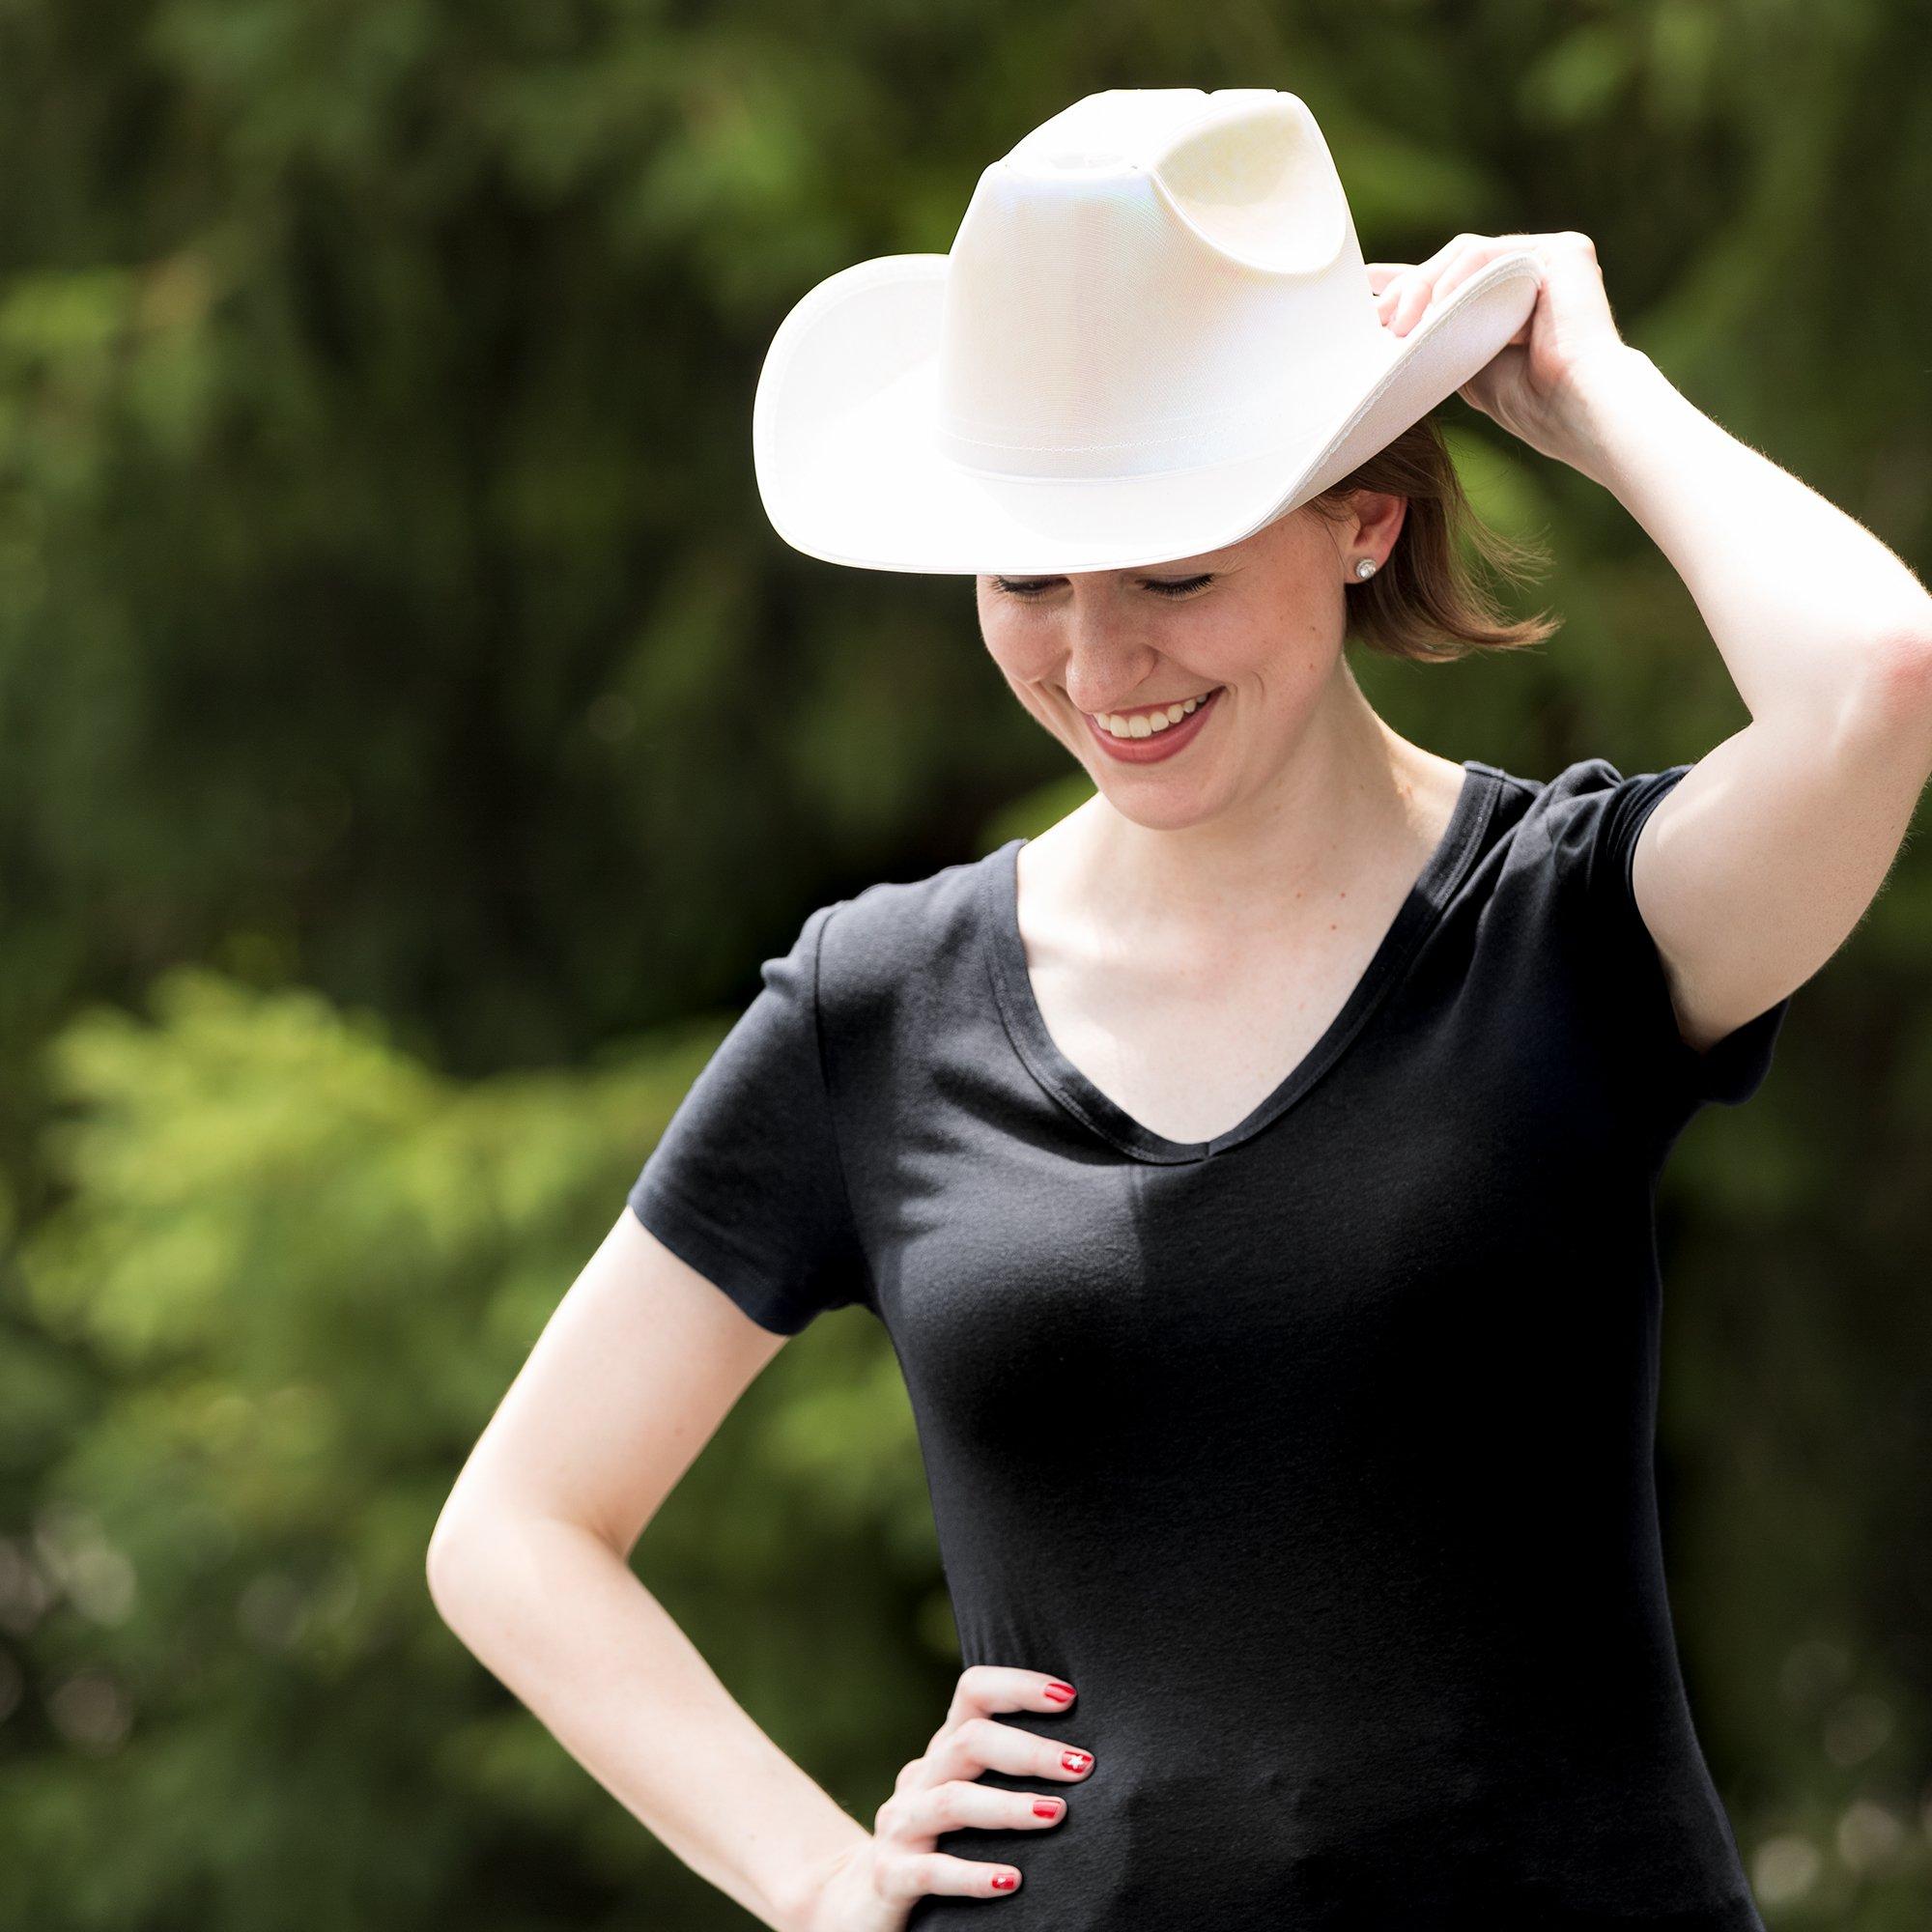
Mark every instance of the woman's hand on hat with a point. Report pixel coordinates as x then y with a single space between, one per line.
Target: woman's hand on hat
873 1888
1537 384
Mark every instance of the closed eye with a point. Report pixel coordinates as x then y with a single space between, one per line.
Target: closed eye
1031 589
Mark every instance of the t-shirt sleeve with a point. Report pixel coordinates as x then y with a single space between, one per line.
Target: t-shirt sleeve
1600 838
746 1182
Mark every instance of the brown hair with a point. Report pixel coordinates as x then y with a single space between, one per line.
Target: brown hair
1425 604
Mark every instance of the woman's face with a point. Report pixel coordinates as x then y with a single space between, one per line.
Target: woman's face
1251 634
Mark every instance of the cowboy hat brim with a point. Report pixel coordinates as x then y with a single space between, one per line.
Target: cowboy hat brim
850 470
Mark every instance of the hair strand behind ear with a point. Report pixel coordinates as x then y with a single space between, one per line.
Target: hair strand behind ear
1425 603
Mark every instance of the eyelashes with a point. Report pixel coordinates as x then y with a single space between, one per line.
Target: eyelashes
1030 590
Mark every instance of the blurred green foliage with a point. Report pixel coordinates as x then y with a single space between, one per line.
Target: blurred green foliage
411 738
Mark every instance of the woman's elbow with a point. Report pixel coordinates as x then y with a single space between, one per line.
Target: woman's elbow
451 1563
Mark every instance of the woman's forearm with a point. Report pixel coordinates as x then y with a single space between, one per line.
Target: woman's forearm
560 1618
1802 602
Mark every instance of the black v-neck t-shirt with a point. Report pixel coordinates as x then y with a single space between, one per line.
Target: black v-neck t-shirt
1318 1456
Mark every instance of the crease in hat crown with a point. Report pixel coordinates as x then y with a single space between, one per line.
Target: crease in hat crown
1149 280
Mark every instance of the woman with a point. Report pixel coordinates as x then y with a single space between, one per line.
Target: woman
1255 1171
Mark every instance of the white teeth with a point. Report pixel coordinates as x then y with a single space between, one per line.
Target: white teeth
1145 723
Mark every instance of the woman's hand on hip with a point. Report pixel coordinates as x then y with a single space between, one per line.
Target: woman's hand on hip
1537 384
873 1888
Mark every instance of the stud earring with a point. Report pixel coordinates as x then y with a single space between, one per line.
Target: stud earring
1366 567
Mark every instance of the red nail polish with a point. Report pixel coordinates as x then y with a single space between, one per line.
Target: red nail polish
1005 1880
1073 1760
1046 1807
1059 1690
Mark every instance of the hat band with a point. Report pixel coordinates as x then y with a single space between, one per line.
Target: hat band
1283 425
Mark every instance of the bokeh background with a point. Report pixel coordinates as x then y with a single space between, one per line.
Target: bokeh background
413 738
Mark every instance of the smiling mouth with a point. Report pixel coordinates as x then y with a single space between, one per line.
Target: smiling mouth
1150 721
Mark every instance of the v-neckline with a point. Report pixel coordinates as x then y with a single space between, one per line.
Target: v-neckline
1012 987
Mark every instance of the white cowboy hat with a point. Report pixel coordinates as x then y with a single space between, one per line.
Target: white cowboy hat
1153 334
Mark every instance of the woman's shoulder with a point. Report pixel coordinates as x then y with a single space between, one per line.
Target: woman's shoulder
1548 840
908 936
1584 798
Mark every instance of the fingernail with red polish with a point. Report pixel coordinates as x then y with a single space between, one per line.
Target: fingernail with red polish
1005 1880
1047 1807
1074 1760
1061 1691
